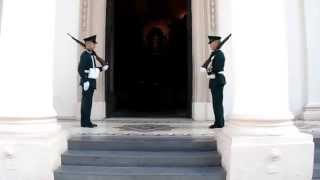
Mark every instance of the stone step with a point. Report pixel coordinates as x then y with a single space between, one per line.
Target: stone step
317 155
142 143
139 173
141 158
317 142
316 170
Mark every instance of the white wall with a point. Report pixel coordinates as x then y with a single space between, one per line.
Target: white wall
66 58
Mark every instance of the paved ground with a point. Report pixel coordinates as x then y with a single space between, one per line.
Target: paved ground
160 127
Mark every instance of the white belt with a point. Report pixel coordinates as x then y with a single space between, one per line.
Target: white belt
93 73
213 76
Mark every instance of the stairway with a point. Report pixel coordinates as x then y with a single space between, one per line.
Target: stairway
141 158
316 168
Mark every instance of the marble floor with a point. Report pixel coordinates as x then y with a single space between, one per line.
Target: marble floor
159 127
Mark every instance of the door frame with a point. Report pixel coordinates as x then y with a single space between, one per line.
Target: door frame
109 55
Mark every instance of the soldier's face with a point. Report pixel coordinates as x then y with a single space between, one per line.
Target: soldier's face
214 45
90 45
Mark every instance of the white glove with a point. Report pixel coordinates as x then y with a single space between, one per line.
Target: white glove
86 86
105 67
203 70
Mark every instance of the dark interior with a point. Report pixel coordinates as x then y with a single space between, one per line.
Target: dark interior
151 58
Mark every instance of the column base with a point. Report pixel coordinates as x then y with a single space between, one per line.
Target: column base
267 155
30 149
202 111
311 113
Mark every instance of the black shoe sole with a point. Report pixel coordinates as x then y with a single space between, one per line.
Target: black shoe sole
87 126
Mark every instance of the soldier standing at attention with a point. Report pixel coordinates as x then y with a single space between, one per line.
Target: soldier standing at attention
214 69
88 72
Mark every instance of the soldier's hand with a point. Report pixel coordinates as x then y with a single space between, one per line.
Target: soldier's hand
86 85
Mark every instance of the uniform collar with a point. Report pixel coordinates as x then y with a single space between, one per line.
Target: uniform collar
89 51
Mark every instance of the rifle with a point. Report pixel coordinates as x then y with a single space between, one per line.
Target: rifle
101 61
205 64
224 41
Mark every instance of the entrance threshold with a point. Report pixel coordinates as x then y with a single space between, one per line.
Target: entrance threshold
148 120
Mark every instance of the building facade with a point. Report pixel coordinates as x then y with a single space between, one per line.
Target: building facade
208 17
271 70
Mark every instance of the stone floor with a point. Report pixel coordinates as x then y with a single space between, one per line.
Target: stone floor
160 127
143 127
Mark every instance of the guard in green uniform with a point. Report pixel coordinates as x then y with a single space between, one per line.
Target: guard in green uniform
214 69
88 72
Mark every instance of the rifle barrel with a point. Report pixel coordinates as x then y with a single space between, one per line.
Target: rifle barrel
78 41
225 40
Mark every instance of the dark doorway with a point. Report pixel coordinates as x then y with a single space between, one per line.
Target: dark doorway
148 44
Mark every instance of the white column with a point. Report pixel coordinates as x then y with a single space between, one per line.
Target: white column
66 59
202 24
312 16
261 141
30 138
